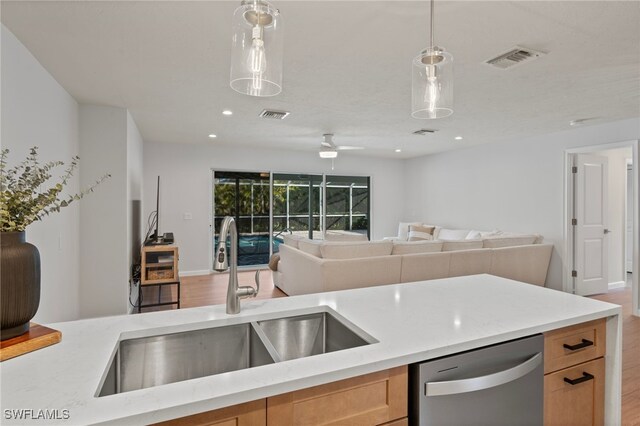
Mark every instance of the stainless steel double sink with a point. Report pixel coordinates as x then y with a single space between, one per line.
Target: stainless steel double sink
150 361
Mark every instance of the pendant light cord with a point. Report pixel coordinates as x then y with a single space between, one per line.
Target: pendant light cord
431 40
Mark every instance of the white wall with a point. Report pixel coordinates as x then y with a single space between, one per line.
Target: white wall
37 111
134 201
185 181
617 183
104 262
514 186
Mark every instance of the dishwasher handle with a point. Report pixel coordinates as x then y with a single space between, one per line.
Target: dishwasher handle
483 382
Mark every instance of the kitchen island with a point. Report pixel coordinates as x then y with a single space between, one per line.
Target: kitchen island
410 323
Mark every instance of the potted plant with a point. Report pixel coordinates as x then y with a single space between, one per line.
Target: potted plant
26 195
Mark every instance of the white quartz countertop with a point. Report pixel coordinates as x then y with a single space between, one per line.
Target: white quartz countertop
412 322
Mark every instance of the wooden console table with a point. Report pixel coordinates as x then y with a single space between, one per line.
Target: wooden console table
159 268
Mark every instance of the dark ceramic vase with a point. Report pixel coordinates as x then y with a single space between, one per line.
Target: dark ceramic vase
20 284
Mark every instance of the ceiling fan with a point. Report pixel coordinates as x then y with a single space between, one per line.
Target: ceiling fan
328 148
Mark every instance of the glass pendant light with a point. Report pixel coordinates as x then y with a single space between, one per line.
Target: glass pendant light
256 49
432 81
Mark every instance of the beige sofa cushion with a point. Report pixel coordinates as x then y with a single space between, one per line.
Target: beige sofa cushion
523 263
426 266
462 245
470 262
351 250
509 241
411 247
420 232
292 239
311 247
345 236
342 274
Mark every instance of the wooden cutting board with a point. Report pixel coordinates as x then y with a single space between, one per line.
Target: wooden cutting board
36 338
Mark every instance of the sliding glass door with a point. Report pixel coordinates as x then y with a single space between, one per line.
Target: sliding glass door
297 206
266 206
245 197
348 204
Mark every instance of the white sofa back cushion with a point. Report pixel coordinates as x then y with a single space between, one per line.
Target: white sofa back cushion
452 234
410 247
509 241
291 239
310 246
353 250
462 245
345 236
403 230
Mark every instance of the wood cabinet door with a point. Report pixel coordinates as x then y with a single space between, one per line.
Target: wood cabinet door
252 413
372 399
577 404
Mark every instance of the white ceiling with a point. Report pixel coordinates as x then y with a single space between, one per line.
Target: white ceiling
347 68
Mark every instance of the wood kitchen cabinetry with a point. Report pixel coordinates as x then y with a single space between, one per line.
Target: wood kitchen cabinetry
373 399
574 374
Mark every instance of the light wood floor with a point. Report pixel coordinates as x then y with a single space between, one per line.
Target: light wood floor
212 289
630 355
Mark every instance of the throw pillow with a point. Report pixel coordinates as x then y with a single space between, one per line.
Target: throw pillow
420 232
452 234
403 230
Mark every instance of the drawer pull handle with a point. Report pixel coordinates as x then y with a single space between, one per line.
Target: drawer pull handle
585 343
585 378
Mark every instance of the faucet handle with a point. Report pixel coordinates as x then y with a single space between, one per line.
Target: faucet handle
257 279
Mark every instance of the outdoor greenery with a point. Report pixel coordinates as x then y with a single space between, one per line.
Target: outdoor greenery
24 198
247 195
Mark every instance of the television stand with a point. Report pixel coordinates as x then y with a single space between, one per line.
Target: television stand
159 268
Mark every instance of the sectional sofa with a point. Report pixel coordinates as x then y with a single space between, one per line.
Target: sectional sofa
311 266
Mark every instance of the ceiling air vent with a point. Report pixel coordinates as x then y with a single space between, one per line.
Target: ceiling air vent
513 57
276 115
423 132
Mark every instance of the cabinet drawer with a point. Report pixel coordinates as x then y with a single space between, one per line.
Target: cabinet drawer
577 404
371 399
573 345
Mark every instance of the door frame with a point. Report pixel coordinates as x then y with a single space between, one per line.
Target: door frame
568 284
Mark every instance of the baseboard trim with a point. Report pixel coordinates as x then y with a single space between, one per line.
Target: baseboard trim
193 273
617 284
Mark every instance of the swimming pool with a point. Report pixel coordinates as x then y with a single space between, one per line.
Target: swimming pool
253 249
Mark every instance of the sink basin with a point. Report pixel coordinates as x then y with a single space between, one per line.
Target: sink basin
145 362
312 334
152 361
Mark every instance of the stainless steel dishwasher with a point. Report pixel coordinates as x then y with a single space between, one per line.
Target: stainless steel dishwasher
495 385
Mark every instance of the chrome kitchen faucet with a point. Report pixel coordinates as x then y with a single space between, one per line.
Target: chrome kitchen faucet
221 264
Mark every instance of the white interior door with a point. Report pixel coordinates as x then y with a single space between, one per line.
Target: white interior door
629 217
590 230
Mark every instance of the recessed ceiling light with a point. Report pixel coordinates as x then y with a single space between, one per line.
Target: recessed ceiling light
227 112
212 136
398 150
458 138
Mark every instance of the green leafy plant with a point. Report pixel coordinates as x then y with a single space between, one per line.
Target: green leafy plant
24 197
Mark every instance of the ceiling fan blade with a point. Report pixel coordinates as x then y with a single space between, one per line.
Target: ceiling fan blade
348 147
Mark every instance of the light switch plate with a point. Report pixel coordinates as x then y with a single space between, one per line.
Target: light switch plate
188 216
